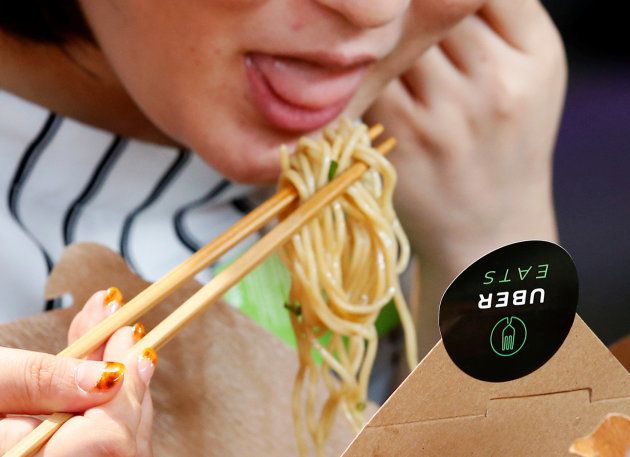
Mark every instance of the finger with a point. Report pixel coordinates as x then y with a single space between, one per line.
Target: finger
102 436
112 428
139 372
471 45
37 383
395 107
393 104
13 429
96 309
120 427
119 344
431 76
143 436
518 22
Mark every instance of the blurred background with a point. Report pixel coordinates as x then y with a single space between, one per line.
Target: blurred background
592 162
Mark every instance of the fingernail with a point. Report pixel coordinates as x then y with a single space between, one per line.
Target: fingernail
113 300
146 364
99 376
138 331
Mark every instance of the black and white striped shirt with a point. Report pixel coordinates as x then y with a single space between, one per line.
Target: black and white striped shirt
63 182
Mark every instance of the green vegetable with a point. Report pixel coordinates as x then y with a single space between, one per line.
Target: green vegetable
295 308
332 170
262 294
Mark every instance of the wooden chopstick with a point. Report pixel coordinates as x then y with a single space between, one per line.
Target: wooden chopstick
220 284
166 285
208 294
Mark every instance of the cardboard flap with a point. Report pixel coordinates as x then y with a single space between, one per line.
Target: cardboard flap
438 389
537 426
222 387
441 411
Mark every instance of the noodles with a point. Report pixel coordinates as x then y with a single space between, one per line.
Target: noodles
344 265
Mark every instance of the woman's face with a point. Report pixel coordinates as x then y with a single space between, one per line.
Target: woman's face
234 79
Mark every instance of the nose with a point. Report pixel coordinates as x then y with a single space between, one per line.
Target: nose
367 14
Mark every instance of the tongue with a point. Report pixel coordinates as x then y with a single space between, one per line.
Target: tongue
308 85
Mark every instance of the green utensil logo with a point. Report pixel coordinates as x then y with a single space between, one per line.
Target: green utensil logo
508 336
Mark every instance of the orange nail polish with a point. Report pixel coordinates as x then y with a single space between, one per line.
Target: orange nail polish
112 374
150 355
138 331
113 294
147 361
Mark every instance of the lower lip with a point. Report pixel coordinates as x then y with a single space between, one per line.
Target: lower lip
284 114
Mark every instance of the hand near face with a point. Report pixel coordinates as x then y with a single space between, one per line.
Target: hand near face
476 119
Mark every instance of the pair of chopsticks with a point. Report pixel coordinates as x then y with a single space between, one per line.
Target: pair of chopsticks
214 289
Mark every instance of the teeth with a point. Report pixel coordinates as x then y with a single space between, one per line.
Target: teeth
279 64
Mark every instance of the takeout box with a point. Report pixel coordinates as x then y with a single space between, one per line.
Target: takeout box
439 411
223 386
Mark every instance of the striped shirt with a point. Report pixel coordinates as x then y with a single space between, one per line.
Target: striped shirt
64 182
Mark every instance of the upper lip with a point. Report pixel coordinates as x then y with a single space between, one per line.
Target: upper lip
331 61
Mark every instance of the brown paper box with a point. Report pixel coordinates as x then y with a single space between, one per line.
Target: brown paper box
439 411
222 387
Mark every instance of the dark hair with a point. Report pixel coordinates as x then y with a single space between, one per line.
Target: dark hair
44 21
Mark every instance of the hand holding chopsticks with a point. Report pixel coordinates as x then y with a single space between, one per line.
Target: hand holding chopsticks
213 290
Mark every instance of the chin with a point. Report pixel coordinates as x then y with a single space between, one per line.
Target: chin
244 161
235 146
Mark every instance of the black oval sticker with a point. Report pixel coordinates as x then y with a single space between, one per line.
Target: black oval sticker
509 312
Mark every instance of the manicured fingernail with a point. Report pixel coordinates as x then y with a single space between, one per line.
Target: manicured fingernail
146 364
113 300
99 376
138 331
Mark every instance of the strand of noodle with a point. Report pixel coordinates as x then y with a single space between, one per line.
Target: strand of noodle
311 398
296 402
337 348
333 363
404 251
297 390
307 174
368 363
352 392
330 320
409 329
358 348
333 288
323 312
380 230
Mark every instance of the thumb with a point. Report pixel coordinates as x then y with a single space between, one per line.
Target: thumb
37 383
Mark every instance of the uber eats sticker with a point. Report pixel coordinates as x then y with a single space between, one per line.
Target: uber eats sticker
509 312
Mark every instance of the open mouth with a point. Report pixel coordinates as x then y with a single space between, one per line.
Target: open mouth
303 94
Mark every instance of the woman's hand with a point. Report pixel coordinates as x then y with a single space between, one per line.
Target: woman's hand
476 119
114 399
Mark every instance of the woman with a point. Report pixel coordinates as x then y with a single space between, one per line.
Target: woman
475 116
